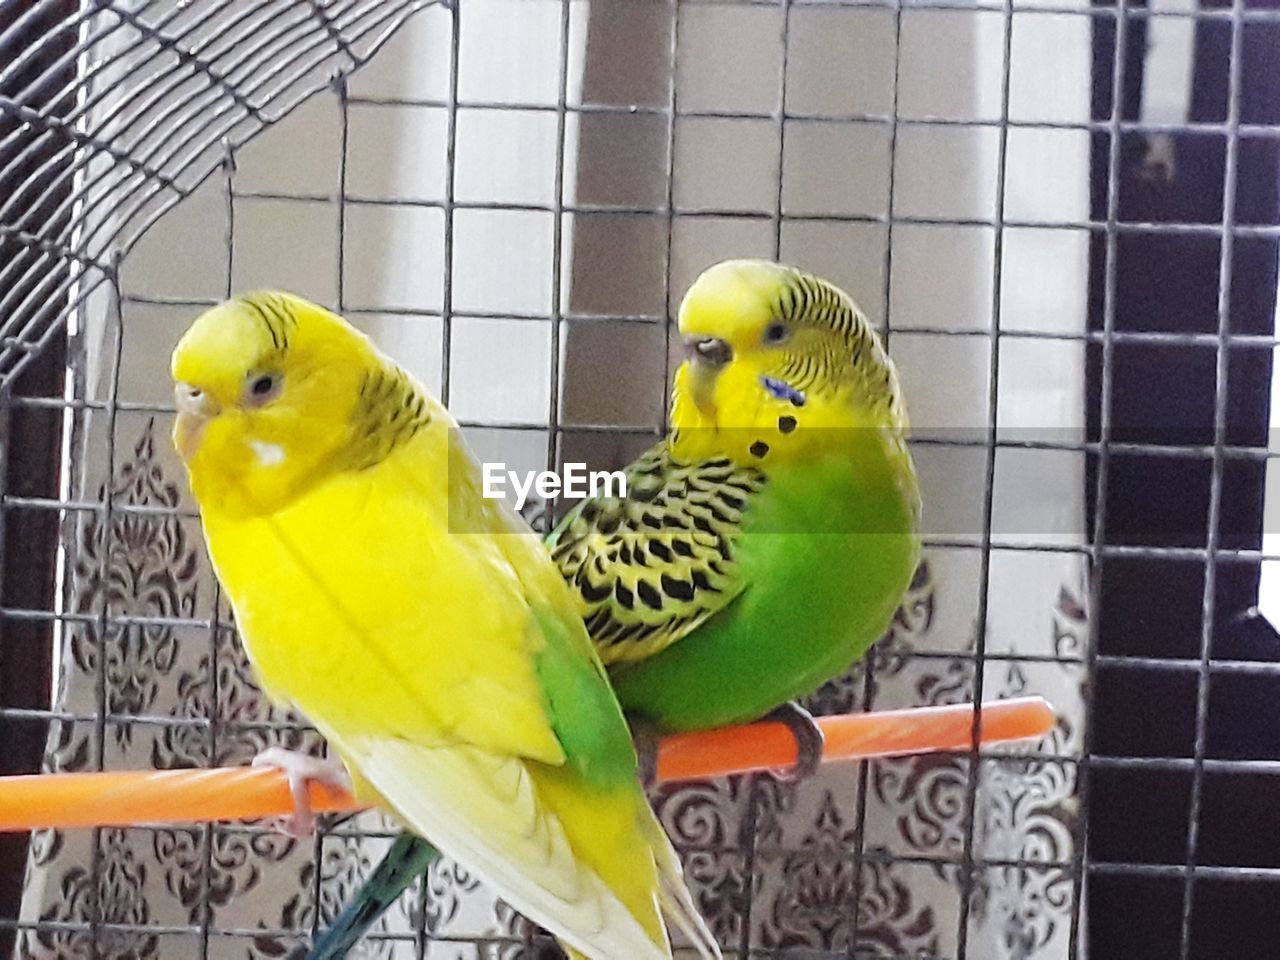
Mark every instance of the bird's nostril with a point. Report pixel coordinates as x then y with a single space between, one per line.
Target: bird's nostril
711 350
190 398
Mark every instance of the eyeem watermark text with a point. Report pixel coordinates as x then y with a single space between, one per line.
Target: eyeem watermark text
575 481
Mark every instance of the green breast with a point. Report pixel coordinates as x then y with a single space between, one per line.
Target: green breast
828 549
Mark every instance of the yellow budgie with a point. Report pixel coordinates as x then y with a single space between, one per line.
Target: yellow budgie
421 627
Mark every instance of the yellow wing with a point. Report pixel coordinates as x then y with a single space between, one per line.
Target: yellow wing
412 649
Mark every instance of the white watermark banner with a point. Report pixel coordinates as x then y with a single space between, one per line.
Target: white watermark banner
575 481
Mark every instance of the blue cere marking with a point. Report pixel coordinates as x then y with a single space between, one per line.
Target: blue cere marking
783 390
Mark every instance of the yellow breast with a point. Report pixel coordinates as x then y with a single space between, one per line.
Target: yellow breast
358 605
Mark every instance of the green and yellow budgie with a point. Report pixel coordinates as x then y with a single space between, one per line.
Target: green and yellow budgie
761 548
419 626
765 544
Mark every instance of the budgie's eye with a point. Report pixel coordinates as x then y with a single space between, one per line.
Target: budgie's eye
264 388
775 333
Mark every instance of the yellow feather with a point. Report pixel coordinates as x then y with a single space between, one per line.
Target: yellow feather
379 593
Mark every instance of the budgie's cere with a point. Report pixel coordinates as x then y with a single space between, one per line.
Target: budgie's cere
449 670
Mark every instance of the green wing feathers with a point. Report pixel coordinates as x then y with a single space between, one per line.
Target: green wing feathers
578 699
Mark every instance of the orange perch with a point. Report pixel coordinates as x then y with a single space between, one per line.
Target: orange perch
66 800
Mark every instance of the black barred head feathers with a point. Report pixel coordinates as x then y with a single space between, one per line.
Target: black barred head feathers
792 333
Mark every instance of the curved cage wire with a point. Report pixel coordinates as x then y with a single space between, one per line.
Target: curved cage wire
112 111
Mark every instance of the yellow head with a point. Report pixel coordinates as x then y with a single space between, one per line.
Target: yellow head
745 322
266 386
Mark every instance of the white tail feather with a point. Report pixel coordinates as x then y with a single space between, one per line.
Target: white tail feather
480 809
677 901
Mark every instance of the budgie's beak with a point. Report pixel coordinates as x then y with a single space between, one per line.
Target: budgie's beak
195 409
707 357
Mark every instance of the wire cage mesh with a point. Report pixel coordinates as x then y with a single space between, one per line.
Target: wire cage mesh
512 197
201 80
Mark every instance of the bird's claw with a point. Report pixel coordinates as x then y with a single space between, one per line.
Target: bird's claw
809 740
300 768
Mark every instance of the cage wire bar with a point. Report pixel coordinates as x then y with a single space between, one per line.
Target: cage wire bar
158 151
1098 538
1221 373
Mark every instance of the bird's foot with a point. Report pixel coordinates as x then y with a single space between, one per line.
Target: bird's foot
299 768
809 740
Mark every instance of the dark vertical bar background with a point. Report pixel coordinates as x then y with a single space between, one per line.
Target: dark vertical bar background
1164 393
30 436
